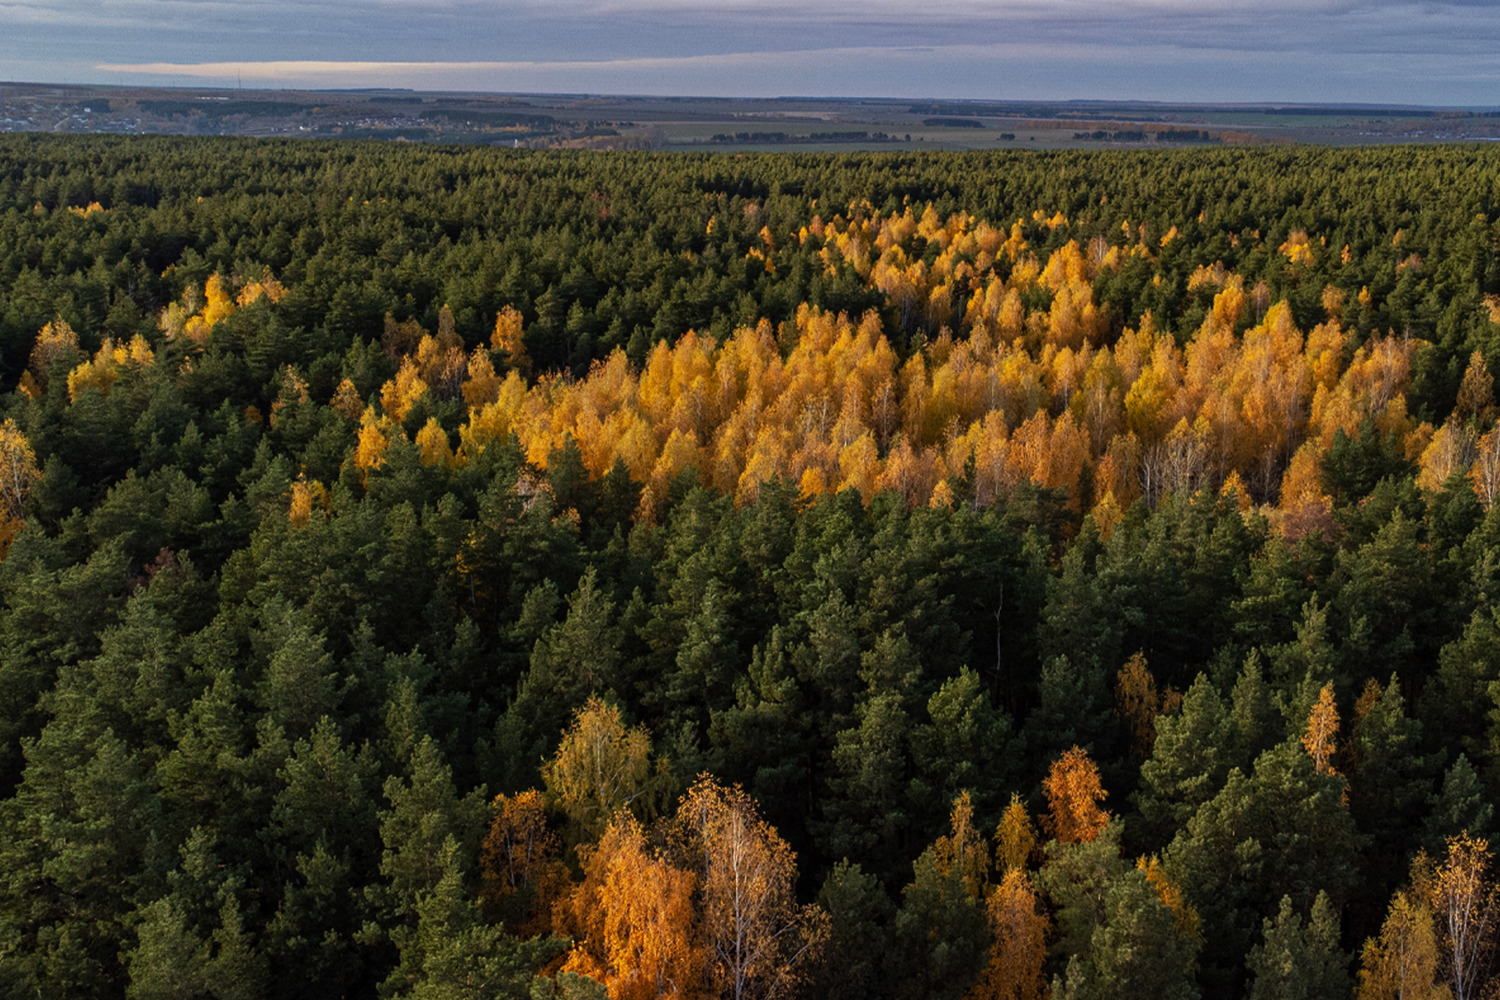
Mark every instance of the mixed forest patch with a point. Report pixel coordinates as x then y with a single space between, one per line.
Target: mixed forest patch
449 572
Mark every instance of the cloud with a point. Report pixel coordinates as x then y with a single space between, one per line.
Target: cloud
1186 49
889 12
278 70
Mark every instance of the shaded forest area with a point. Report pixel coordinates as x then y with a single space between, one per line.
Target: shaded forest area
452 573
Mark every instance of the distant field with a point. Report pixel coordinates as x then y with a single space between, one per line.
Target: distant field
787 124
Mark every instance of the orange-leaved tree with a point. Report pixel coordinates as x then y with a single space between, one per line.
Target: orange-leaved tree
1074 815
1186 915
1020 946
631 919
521 867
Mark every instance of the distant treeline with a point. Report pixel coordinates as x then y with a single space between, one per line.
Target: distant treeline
221 109
494 119
727 137
954 122
1142 135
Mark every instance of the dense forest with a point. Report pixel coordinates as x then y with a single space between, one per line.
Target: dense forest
491 573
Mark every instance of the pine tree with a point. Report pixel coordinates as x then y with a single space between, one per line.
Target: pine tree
1297 962
859 936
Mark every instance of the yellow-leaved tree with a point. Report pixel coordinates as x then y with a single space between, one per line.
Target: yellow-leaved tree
757 938
56 345
1402 963
601 767
1015 838
1137 702
1320 738
507 338
17 472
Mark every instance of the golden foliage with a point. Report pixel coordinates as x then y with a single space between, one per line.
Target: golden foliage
55 343
962 849
265 287
1024 393
432 444
1305 508
520 864
17 472
632 919
481 386
400 394
369 453
1451 451
600 767
305 496
440 359
346 401
1019 950
1321 735
1465 904
1136 701
1476 394
507 337
757 938
1402 963
1073 796
1015 838
1296 248
1187 922
217 303
108 364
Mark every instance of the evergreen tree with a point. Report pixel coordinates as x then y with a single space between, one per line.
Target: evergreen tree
1135 951
1187 764
1459 805
859 915
1294 961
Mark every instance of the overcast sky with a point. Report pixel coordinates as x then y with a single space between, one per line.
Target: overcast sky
1314 51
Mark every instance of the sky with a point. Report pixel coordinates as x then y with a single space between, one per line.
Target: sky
1434 52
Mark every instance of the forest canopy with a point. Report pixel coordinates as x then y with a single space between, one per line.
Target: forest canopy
445 572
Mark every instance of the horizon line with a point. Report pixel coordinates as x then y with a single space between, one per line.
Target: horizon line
263 86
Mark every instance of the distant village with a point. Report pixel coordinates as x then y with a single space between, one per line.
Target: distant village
483 120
